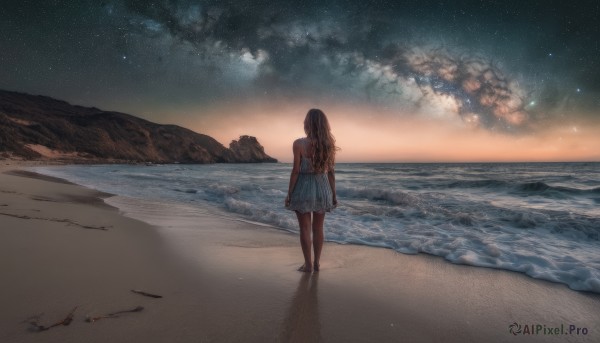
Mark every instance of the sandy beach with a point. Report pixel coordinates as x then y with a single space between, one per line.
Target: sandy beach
63 248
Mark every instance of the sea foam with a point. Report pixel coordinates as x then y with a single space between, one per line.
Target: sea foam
537 219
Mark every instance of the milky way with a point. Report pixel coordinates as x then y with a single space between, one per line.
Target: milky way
504 66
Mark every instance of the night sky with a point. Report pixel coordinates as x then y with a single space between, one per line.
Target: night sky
410 77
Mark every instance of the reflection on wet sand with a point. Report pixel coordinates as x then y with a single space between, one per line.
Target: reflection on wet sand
301 323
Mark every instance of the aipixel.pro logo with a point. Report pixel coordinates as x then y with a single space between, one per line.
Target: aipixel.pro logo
541 329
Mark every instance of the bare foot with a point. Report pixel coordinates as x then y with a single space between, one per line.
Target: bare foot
305 269
316 266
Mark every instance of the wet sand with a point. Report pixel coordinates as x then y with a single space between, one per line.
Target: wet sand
62 246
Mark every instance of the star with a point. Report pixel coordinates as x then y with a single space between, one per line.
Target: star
373 52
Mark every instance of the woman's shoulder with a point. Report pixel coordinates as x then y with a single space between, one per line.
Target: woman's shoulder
300 141
301 146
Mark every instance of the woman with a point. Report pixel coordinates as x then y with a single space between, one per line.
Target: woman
312 184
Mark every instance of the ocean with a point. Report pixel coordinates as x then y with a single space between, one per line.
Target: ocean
541 219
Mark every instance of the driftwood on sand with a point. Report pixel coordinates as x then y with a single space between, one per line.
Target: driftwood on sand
36 326
68 319
90 319
146 294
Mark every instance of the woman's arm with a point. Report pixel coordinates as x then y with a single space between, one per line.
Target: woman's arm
295 171
331 178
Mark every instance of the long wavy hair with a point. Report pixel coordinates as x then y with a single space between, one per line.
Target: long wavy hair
322 149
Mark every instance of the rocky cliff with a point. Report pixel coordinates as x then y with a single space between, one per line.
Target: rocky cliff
40 127
247 149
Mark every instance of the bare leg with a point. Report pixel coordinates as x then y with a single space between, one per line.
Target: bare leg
305 240
317 231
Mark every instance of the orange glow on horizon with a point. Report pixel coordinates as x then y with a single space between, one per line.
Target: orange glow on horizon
369 134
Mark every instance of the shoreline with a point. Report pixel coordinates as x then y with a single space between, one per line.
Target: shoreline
241 284
490 212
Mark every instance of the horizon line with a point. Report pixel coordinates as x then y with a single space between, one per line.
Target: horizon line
458 162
